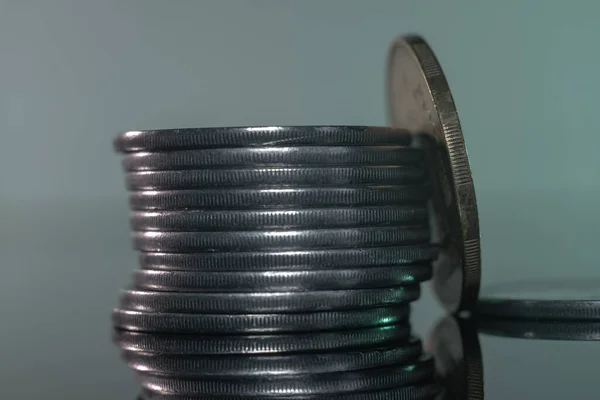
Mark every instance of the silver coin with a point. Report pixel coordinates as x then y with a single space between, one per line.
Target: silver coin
325 176
293 260
349 382
281 281
282 156
420 101
272 365
260 197
330 217
265 302
427 391
258 136
258 323
278 240
274 344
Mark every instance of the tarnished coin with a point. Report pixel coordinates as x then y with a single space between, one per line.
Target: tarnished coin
420 101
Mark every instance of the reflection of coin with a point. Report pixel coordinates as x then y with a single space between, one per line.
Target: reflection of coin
454 344
420 101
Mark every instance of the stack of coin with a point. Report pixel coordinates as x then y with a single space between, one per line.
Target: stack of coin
276 262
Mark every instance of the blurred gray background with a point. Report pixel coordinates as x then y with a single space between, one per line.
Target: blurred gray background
73 73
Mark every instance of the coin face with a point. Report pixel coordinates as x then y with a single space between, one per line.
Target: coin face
420 101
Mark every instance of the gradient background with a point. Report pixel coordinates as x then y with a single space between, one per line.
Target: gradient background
72 73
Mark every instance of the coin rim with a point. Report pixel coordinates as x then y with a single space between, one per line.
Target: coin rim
453 140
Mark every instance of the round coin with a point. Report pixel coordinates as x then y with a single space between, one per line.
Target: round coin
372 379
418 392
292 260
550 299
281 281
203 178
245 198
190 242
259 136
340 341
257 323
420 101
282 156
271 365
540 330
206 220
261 302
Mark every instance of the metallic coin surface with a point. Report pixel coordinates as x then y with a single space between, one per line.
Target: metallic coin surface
325 176
282 156
539 329
542 299
308 260
272 365
258 323
265 302
426 391
244 198
281 281
277 240
259 136
275 344
330 217
421 371
420 101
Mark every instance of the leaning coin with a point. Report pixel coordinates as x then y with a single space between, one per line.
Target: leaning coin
344 340
281 281
257 323
283 156
330 217
266 302
290 260
420 101
259 136
272 365
190 242
315 196
252 176
421 371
